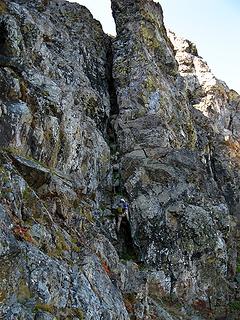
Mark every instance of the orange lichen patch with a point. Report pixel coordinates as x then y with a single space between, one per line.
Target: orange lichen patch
22 233
105 266
233 148
203 308
200 305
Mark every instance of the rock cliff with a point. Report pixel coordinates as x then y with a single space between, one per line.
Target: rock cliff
86 119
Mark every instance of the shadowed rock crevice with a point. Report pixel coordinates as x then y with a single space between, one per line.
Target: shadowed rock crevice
114 110
124 244
3 39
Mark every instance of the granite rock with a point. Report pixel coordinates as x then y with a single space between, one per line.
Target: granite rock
87 119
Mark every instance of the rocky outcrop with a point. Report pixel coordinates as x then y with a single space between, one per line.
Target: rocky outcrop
86 119
179 171
55 162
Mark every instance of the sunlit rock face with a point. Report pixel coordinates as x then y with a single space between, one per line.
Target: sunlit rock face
55 93
86 120
179 161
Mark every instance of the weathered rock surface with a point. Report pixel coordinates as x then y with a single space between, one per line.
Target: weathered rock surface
178 166
86 119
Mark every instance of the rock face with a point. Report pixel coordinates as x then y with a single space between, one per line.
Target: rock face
86 119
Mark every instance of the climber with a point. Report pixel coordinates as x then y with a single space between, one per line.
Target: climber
122 211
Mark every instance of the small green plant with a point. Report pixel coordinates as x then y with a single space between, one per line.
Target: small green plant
87 214
24 292
12 150
44 307
27 195
61 246
76 248
235 306
79 313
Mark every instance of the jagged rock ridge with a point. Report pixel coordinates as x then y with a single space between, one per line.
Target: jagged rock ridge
85 119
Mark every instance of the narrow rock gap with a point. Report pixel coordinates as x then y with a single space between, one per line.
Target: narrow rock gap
3 39
125 244
111 85
227 190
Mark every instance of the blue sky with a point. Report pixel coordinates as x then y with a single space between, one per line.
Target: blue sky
214 25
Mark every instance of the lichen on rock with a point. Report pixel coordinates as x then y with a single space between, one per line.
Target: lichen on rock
87 119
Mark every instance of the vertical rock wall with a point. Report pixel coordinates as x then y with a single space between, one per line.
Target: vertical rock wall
179 146
86 119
